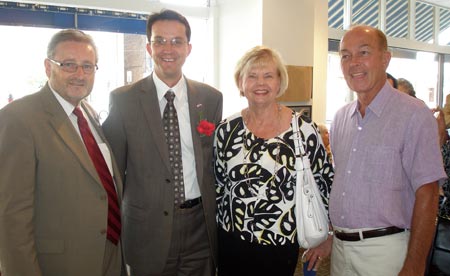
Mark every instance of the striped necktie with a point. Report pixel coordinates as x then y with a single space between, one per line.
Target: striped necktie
114 223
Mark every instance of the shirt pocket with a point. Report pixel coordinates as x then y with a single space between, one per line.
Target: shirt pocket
379 163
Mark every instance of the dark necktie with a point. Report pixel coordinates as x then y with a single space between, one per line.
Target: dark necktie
114 224
172 133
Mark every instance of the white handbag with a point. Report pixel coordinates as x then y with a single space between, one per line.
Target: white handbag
312 218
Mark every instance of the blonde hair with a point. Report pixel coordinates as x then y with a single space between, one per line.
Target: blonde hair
257 56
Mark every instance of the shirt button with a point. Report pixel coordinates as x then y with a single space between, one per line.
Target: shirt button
354 150
359 128
349 172
342 217
343 194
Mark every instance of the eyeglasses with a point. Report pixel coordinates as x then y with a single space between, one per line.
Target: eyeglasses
72 67
161 41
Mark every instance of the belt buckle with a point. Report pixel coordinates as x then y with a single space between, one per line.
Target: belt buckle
190 203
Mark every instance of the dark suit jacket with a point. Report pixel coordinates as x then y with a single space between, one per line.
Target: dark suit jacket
53 207
135 130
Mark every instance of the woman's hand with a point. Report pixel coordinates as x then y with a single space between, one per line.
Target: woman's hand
317 254
443 136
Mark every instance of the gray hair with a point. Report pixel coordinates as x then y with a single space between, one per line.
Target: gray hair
405 86
70 35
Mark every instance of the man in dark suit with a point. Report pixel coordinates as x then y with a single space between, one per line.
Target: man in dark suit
55 216
164 234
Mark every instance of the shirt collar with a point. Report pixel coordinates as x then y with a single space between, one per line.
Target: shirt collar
379 102
381 99
162 88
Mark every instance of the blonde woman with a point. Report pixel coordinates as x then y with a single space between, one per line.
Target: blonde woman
255 175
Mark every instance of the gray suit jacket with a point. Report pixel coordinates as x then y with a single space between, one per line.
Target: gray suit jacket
53 207
135 131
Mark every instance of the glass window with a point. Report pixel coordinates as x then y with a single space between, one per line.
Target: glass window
336 14
424 22
365 12
338 93
446 74
444 26
25 72
397 18
419 68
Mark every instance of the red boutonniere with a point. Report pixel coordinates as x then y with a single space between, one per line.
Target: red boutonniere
204 127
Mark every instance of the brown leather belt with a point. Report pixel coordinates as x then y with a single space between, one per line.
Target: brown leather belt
368 234
190 203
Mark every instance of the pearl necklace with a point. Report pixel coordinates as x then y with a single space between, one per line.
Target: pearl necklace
262 189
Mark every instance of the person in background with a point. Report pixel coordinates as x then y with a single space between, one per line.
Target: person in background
446 111
160 129
436 260
387 166
325 134
406 87
444 141
254 160
59 188
392 81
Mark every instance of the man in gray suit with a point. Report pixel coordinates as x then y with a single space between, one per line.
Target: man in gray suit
56 214
164 235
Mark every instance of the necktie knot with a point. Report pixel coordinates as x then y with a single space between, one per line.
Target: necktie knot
170 95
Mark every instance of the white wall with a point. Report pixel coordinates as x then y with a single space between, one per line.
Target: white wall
290 29
239 28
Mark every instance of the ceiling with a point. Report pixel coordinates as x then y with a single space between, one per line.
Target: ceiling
442 3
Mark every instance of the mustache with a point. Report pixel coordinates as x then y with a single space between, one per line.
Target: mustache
76 81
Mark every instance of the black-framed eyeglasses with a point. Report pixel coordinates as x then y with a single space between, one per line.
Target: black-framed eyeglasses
161 41
72 67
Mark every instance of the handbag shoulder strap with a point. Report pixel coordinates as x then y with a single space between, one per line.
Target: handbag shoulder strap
301 159
299 150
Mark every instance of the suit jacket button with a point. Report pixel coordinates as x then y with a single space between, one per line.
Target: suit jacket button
167 180
103 231
166 213
103 197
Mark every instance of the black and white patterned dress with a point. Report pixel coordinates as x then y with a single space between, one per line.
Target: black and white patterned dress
444 201
255 194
